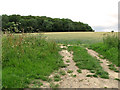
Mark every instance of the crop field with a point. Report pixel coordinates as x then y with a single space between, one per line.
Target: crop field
44 60
75 37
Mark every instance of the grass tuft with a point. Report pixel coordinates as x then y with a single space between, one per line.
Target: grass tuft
69 71
62 72
57 78
79 71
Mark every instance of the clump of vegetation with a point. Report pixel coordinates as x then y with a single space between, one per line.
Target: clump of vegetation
92 71
79 71
92 75
101 57
89 75
100 62
57 78
117 79
102 74
73 75
37 84
49 79
95 75
52 85
69 71
68 61
67 64
62 72
27 57
112 67
62 65
85 61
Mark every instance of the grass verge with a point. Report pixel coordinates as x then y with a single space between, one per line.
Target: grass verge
109 48
26 58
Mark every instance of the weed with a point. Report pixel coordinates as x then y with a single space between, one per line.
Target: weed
69 71
62 65
92 71
67 64
41 84
73 75
117 79
57 78
81 80
95 75
68 61
63 48
112 67
62 72
102 57
52 85
102 74
89 75
79 71
100 62
37 84
49 80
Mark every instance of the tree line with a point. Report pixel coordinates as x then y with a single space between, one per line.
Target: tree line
29 24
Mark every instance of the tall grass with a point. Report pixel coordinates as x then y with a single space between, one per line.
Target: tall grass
111 39
27 57
109 47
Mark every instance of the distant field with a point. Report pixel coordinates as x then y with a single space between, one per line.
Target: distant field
76 37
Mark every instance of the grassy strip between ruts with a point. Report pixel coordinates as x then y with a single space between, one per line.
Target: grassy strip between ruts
26 58
85 61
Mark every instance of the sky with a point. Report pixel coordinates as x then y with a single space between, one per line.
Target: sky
101 15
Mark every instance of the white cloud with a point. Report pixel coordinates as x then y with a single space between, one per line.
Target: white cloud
93 12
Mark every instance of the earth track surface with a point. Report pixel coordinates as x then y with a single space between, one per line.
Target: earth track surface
79 80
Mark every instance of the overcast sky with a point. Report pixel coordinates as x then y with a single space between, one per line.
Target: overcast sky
102 15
